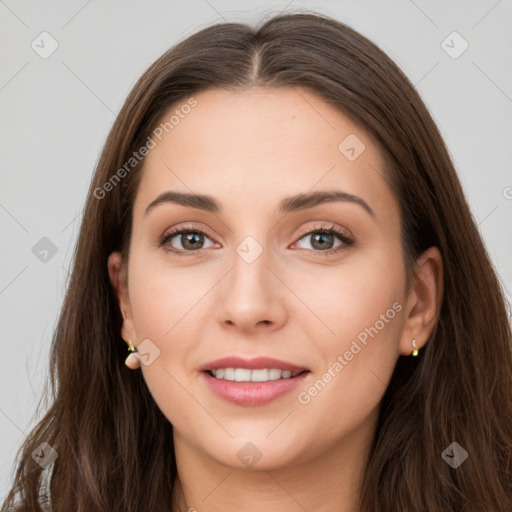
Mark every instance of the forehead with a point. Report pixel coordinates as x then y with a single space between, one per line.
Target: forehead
259 145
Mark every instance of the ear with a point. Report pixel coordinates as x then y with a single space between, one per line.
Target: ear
118 274
424 301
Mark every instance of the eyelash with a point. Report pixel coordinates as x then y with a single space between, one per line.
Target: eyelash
347 241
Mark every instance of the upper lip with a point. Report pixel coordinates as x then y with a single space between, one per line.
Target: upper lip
251 364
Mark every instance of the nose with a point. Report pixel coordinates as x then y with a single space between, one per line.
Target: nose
252 297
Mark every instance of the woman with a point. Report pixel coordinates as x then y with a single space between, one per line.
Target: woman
277 235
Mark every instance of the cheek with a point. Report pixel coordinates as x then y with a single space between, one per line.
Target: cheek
348 299
162 298
159 309
366 314
361 311
163 302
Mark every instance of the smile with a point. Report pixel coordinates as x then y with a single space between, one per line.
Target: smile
247 375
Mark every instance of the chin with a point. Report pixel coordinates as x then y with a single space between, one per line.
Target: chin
257 455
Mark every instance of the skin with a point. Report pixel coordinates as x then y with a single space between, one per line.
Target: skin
250 149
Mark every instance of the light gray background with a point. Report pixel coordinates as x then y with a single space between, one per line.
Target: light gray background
56 113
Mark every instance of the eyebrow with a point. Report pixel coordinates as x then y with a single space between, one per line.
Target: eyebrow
287 205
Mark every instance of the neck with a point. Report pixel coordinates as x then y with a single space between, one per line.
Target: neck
327 482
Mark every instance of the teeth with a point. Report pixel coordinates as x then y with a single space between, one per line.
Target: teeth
229 373
242 375
246 375
274 374
259 375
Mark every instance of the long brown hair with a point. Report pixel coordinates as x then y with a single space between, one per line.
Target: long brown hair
115 447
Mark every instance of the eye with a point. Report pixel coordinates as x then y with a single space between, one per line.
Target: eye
323 240
189 240
186 240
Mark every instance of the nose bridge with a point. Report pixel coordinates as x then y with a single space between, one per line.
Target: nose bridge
249 278
250 272
249 292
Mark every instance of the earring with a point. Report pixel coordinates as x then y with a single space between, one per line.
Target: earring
415 350
132 361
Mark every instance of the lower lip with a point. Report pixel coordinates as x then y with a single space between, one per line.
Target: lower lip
252 393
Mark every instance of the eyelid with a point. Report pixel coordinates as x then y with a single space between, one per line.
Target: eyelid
327 226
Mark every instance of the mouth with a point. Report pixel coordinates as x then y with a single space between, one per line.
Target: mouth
252 382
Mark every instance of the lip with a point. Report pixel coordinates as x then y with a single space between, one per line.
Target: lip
251 394
251 364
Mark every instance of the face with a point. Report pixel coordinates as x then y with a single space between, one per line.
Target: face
317 285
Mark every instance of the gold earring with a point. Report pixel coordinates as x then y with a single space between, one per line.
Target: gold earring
132 361
415 350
